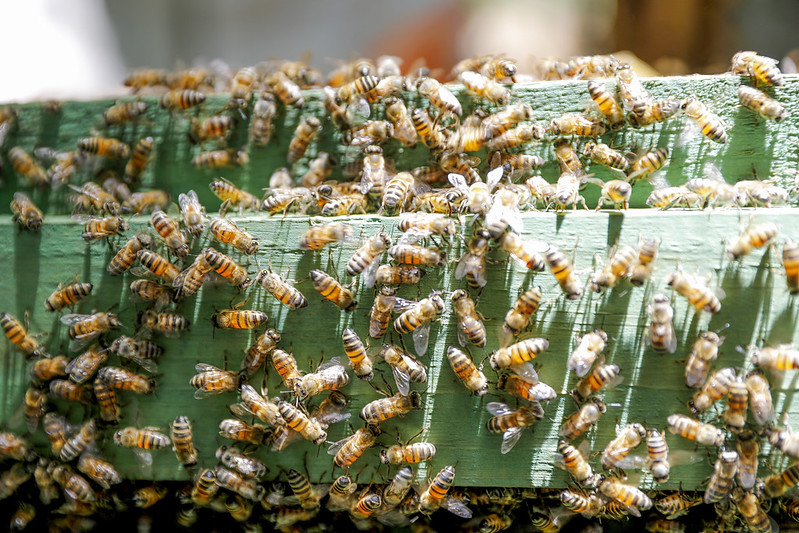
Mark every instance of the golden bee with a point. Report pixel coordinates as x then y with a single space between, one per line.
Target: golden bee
584 418
235 482
143 202
286 90
26 213
382 409
695 291
472 264
139 79
439 96
169 231
204 488
340 493
518 317
85 328
297 420
256 354
356 353
145 289
286 367
606 103
349 449
417 320
709 123
526 386
106 399
167 323
576 464
627 438
635 98
562 269
755 236
705 350
713 390
48 368
215 159
647 163
790 262
27 167
357 88
146 497
261 126
380 314
101 472
661 327
122 112
210 380
183 441
605 155
231 428
426 224
104 147
485 87
122 379
332 290
321 234
760 68
226 231
329 376
750 509
603 376
762 104
307 129
248 467
148 438
659 111
516 355
463 366
470 325
746 474
695 430
282 290
84 366
642 269
193 212
632 498
181 99
576 124
18 336
435 495
511 422
102 228
515 137
139 160
255 404
409 453
67 296
432 137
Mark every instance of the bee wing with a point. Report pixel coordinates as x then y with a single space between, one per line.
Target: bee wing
543 392
78 344
370 272
240 410
402 379
403 304
672 345
493 177
510 438
330 364
144 459
633 462
421 338
334 448
332 418
498 408
459 182
413 235
462 339
201 394
148 364
393 519
73 318
205 367
526 371
456 507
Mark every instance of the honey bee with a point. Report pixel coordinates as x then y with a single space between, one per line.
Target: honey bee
107 401
104 147
607 104
584 418
709 124
204 488
659 111
226 231
518 317
119 378
642 269
35 405
369 133
523 251
55 428
27 167
158 266
647 163
255 404
356 88
576 464
511 422
101 472
81 368
760 401
332 290
605 155
398 275
754 517
366 258
281 289
309 428
704 352
517 136
472 264
287 91
756 236
717 386
563 271
748 448
95 196
67 296
628 438
146 497
382 409
380 314
318 171
484 87
396 489
234 482
790 261
632 498
432 137
74 485
761 69
438 95
248 467
576 124
470 325
141 202
349 449
139 160
139 79
102 228
356 353
261 126
26 213
760 103
586 504
737 400
181 99
148 438
285 364
307 129
695 430
658 454
329 376
587 351
699 295
526 386
634 98
231 428
214 127
435 495
403 128
210 380
48 368
169 230
340 493
463 366
48 492
417 320
193 212
780 357
365 507
85 328
661 326
667 197
18 335
321 234
603 376
516 355
215 159
122 112
183 442
167 323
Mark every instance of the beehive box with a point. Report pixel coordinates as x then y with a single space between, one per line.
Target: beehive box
757 309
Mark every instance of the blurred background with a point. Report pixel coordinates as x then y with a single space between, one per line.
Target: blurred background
82 49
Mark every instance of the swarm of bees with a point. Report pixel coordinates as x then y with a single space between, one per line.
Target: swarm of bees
453 197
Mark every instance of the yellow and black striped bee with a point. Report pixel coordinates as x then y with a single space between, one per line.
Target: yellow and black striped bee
122 112
692 429
588 414
485 87
210 380
248 467
382 409
576 464
631 497
92 196
235 429
101 472
435 495
318 171
756 236
607 104
286 366
27 167
19 336
215 159
138 161
750 509
84 366
255 404
562 269
790 262
709 123
367 258
181 99
642 270
126 255
463 366
470 325
122 379
146 497
357 88
306 130
516 355
319 235
238 319
297 420
705 350
759 68
214 127
26 213
204 488
281 289
380 314
432 137
168 323
760 103
648 163
102 228
576 124
226 231
408 453
261 126
340 493
417 320
193 212
106 399
404 367
518 317
55 428
67 296
349 449
331 289
438 95
169 231
356 353
227 268
286 90
365 507
79 442
48 368
603 376
511 422
398 275
85 328
74 485
148 438
104 147
659 111
34 406
329 376
661 326
183 442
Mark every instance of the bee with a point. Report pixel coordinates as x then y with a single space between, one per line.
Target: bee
778 484
55 428
146 497
748 448
101 472
189 281
210 380
409 453
366 258
435 495
495 125
511 422
659 111
309 428
365 507
254 403
642 269
48 368
526 386
398 275
183 442
576 124
486 87
584 418
754 517
632 498
102 228
234 482
104 147
634 98
340 493
737 400
214 127
193 212
790 261
204 488
586 504
717 386
563 271
700 296
658 454
518 317
147 438
514 137
704 352
396 489
607 104
286 366
666 197
587 351
119 378
329 376
169 230
472 264
74 485
83 367
26 213
756 236
26 167
331 289
382 409
35 405
759 68
158 266
369 133
215 159
261 126
140 202
139 160
603 376
22 517
647 163
139 79
404 367
380 314
760 401
576 464
760 103
603 154
432 136
709 124
226 231
397 115
661 327
399 190
95 196
515 355
18 336
180 99
318 170
227 268
470 325
695 430
321 234
629 437
522 250
163 322
86 328
122 112
439 96
349 449
780 357
231 428
248 467
107 401
287 91
356 353
675 505
357 88
307 129
463 366
417 320
281 289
